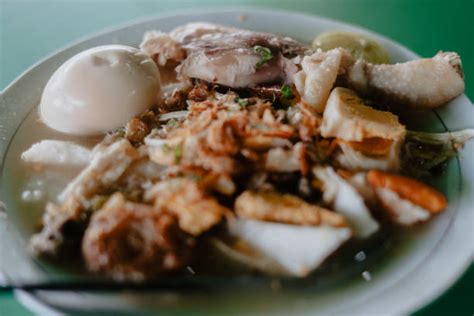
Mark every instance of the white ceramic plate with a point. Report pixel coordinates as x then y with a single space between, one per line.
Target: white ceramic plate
414 275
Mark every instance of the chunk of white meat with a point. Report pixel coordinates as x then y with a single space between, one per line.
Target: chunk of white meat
236 68
346 201
347 117
401 211
57 153
228 56
423 83
317 76
297 249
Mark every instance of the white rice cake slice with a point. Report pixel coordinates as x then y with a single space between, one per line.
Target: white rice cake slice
297 249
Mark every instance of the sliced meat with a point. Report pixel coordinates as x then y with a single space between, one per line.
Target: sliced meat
236 58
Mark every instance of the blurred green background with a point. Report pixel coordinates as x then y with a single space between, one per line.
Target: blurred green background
30 30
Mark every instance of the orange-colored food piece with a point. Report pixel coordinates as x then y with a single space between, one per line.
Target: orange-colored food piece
375 146
409 189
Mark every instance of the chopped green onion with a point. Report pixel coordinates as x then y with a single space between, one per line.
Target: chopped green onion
120 132
178 153
172 123
287 92
265 54
241 102
165 148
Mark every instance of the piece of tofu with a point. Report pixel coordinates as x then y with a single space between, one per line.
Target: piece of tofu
297 249
347 117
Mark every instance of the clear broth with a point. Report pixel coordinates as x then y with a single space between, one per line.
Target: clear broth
26 189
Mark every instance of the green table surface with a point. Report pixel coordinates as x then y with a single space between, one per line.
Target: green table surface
30 30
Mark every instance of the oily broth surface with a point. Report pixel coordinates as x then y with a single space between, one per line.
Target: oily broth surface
27 188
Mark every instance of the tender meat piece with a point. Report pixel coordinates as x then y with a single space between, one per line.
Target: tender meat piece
205 35
236 68
347 201
297 249
400 211
196 211
162 47
64 222
57 153
416 192
284 208
422 84
348 118
291 160
131 241
317 77
229 56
